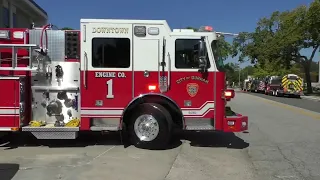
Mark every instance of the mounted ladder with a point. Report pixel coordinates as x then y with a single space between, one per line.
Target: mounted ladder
227 34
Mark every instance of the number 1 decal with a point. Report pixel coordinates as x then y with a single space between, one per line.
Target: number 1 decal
110 89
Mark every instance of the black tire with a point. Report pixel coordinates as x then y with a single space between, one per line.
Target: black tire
164 120
271 93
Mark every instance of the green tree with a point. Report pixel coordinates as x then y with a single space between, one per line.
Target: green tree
299 31
224 48
189 27
248 70
67 28
231 71
280 39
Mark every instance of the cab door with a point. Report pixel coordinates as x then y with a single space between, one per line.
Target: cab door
192 90
106 72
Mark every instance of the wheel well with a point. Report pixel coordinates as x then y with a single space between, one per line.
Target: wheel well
167 103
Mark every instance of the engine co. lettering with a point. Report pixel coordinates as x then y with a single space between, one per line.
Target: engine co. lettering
110 30
121 75
110 74
196 78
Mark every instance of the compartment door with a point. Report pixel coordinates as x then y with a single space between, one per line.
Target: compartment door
9 102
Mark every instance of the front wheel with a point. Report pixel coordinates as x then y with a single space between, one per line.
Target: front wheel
150 126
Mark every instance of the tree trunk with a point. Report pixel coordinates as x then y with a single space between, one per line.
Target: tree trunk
308 76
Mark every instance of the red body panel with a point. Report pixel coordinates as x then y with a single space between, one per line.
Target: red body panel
178 91
9 104
97 90
271 87
11 93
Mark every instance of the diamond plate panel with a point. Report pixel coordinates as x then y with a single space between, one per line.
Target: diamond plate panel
55 135
56 42
53 129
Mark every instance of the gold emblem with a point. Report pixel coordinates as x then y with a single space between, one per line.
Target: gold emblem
192 89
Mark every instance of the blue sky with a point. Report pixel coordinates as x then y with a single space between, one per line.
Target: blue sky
224 15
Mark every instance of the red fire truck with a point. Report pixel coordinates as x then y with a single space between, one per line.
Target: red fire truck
113 75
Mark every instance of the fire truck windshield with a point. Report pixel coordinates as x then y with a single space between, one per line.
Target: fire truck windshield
217 58
292 77
187 55
276 81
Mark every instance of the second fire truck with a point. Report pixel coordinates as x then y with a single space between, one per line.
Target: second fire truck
113 75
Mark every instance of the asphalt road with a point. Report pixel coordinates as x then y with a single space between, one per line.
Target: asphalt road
284 140
301 103
283 143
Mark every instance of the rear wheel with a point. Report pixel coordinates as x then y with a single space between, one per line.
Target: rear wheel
150 126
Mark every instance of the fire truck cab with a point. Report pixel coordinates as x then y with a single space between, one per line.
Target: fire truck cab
136 76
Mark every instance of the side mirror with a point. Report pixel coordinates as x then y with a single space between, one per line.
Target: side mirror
202 55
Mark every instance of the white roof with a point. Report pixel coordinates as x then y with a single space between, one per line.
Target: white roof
186 32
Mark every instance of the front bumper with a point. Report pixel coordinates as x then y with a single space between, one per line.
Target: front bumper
237 123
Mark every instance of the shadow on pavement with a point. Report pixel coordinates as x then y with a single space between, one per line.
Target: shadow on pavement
8 171
202 139
14 141
213 139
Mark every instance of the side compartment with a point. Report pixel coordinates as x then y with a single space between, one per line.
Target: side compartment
11 102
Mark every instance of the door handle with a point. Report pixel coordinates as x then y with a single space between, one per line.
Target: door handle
85 58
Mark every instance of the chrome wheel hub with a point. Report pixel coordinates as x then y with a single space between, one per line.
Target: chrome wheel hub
146 127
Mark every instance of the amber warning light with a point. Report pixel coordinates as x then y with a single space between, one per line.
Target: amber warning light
4 34
152 87
228 94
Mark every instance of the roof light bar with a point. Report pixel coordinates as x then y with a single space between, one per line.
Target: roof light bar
205 29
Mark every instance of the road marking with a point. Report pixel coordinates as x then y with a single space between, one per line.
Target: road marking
311 114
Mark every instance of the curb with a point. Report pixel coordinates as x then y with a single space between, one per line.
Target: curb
310 98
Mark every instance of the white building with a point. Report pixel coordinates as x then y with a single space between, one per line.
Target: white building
21 14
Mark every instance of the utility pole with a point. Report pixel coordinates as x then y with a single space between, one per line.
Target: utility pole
319 72
239 76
